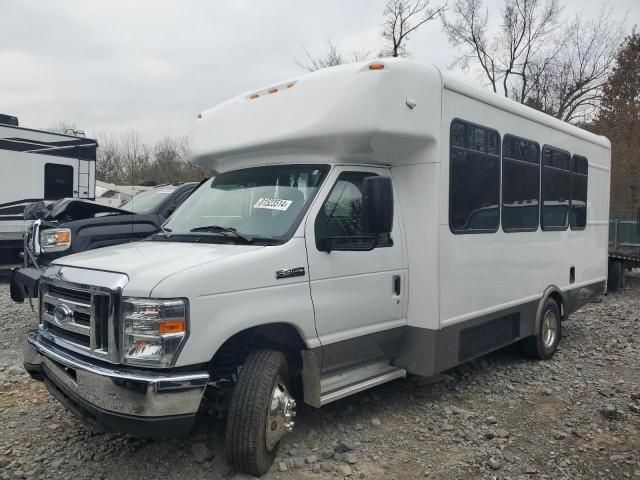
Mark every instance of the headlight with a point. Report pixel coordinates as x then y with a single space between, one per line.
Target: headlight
153 331
55 239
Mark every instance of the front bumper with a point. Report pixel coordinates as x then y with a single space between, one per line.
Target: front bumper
24 283
139 402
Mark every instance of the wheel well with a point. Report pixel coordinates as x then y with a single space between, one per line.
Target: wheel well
274 336
557 297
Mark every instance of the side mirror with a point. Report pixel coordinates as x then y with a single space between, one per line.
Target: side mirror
377 205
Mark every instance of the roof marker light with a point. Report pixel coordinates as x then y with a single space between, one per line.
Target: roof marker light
199 115
376 66
273 90
291 84
253 96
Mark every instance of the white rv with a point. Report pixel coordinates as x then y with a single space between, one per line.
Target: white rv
367 222
38 165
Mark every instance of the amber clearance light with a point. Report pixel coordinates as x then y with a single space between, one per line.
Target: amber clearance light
376 66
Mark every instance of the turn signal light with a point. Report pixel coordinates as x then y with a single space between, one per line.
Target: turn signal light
172 326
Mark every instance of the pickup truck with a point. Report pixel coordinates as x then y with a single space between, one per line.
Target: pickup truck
71 226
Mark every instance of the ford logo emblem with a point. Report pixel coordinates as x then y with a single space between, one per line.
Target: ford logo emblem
62 313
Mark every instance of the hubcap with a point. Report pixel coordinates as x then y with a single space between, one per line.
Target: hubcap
282 409
549 329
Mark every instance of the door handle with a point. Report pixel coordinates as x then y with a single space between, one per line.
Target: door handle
396 285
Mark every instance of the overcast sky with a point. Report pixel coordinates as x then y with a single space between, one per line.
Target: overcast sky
148 65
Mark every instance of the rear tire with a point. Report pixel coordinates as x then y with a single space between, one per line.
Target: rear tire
544 343
260 412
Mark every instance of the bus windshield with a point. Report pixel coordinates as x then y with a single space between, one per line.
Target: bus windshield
264 203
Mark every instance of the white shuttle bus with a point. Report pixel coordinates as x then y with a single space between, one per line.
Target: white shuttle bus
367 222
37 165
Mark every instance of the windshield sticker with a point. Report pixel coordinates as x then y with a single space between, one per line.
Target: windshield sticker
273 204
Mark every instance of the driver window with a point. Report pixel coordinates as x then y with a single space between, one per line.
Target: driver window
341 214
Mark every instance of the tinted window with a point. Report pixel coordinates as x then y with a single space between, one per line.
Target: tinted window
474 188
520 184
341 214
149 201
579 180
556 188
58 181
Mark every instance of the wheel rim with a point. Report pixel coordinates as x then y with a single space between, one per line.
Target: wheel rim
549 329
282 409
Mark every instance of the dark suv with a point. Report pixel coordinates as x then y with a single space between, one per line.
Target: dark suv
71 226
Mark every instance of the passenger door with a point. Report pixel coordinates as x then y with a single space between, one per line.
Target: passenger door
359 297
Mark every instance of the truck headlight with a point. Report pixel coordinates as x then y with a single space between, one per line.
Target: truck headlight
153 331
55 239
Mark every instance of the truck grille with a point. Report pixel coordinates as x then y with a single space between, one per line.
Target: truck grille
80 319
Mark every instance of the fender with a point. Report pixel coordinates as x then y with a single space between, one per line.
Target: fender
550 290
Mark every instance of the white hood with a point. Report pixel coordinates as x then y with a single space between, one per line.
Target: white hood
148 263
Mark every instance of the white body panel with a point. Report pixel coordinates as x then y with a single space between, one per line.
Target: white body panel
483 273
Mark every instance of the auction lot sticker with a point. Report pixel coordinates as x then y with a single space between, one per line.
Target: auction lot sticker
273 204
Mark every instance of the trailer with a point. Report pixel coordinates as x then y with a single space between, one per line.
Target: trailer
38 165
624 250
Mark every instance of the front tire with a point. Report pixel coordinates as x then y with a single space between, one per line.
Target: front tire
544 343
260 412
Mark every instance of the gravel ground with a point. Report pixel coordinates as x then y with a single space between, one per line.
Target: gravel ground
500 417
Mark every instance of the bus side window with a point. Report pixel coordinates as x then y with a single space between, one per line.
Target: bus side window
520 184
556 188
579 180
474 183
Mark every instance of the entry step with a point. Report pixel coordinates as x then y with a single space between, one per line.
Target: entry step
343 384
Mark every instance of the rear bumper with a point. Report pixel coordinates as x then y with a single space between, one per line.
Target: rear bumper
138 402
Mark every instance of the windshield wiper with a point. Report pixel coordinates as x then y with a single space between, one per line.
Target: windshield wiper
227 231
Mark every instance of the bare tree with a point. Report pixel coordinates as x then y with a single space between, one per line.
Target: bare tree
572 81
535 56
109 162
401 19
332 58
127 160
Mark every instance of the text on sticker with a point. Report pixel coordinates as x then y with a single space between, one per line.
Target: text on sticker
273 204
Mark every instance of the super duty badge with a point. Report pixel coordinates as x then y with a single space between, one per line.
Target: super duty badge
290 272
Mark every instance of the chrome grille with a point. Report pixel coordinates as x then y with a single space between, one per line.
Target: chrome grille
79 317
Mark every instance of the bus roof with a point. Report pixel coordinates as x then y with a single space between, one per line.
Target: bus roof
383 112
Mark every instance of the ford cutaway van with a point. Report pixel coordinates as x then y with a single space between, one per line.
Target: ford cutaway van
366 222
